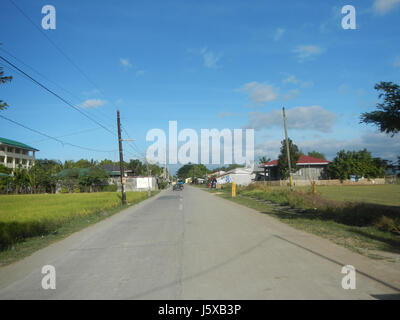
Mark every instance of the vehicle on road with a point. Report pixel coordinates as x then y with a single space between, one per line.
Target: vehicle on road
178 186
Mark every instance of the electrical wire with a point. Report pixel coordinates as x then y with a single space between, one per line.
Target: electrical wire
54 138
55 94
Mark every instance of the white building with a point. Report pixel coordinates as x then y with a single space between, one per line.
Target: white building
14 153
241 176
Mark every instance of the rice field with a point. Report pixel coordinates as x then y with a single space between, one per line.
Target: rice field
24 216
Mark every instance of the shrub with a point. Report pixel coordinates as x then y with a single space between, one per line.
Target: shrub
386 218
109 188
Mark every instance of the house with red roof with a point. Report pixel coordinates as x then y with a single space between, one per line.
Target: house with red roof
310 168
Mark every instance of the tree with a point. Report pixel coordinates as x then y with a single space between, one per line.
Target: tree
264 160
93 178
358 163
69 178
192 171
283 166
316 154
4 179
387 117
83 163
44 175
138 168
4 169
20 179
3 80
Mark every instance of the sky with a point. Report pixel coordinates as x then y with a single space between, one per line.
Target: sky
205 64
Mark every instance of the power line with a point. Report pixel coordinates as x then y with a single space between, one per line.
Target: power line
62 52
54 138
69 134
55 94
54 45
51 81
134 143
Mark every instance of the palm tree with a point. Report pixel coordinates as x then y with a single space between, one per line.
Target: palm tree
264 160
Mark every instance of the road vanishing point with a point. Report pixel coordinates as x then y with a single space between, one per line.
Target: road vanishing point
192 244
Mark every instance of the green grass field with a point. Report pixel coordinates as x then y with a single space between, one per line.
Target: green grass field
386 194
25 216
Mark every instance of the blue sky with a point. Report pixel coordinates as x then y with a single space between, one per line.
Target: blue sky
206 64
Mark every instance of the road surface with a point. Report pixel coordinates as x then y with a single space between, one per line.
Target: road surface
191 244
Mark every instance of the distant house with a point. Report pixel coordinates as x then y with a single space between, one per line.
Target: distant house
216 173
310 168
114 171
241 176
14 153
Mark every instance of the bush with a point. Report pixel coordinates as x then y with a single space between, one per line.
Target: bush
109 188
386 218
163 184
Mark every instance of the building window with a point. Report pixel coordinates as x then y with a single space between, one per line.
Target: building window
2 148
9 160
2 159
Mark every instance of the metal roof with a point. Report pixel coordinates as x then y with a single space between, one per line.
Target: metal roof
303 160
16 144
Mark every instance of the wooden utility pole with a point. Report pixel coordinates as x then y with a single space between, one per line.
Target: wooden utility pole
287 149
148 179
121 160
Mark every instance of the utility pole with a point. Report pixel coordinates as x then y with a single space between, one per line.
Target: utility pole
148 179
287 149
121 160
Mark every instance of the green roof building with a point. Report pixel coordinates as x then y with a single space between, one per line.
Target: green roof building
14 153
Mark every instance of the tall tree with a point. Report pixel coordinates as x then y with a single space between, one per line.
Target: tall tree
316 154
138 168
387 117
283 166
192 171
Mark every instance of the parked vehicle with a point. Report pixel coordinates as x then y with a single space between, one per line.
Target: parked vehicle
177 187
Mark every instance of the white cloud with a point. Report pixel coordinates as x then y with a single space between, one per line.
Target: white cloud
260 93
226 114
210 58
307 84
291 94
291 79
308 52
93 103
300 118
379 144
384 6
279 33
125 63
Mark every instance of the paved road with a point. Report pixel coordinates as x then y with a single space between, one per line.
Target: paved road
194 245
